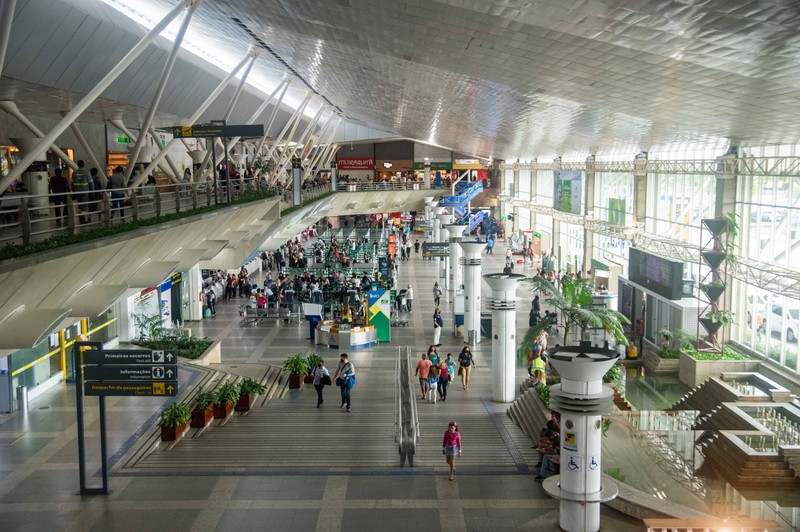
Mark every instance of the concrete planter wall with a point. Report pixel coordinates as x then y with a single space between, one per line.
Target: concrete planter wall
654 364
213 355
693 372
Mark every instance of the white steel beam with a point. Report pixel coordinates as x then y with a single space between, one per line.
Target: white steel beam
6 18
325 146
12 109
292 119
194 118
301 140
322 143
259 111
272 117
88 149
162 84
117 123
87 100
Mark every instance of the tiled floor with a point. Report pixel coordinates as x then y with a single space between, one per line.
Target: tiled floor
298 482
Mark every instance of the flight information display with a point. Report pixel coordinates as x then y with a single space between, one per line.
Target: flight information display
659 275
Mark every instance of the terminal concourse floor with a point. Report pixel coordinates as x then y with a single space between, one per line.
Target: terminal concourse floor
289 465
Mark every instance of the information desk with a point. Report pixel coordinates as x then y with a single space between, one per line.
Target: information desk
328 333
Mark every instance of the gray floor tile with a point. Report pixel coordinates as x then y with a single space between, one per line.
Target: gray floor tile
47 486
37 521
145 520
269 519
392 519
22 449
168 489
504 518
279 488
412 487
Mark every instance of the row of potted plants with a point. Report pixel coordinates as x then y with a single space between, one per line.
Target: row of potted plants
299 367
217 403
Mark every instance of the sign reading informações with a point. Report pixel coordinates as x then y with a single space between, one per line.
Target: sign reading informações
130 373
435 249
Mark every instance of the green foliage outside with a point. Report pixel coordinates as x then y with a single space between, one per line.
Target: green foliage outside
11 251
615 473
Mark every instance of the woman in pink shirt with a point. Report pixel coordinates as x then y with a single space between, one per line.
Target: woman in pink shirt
451 447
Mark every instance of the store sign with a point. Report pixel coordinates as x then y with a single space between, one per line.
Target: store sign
434 166
356 163
467 161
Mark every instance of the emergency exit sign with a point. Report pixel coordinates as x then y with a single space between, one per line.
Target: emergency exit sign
123 140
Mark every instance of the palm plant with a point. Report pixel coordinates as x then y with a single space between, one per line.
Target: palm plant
575 305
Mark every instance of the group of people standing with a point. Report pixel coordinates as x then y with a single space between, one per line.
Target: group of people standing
435 373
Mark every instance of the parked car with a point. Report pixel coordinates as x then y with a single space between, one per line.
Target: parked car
787 329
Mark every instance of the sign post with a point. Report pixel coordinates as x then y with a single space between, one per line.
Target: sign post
117 372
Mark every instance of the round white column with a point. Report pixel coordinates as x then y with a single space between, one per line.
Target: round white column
444 236
504 334
456 279
472 290
582 400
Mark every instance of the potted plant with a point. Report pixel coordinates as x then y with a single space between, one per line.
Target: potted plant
173 421
224 400
248 389
297 366
312 359
714 319
203 411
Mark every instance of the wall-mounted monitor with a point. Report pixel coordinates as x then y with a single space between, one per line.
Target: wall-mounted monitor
656 274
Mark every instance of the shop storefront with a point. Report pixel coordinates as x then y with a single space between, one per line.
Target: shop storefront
476 170
394 170
441 170
355 169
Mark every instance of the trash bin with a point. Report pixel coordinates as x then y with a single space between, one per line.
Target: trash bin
22 398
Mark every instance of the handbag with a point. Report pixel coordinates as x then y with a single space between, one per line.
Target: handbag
339 381
325 380
350 381
459 371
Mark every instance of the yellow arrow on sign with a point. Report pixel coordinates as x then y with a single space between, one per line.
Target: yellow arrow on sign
170 388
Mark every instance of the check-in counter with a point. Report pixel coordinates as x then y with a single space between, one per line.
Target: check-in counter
330 333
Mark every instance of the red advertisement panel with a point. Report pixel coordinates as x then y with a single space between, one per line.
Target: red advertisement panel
355 163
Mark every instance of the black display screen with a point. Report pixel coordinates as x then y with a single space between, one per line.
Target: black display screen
659 275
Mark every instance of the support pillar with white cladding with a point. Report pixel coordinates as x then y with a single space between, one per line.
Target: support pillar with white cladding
297 198
444 236
456 279
582 400
472 290
504 334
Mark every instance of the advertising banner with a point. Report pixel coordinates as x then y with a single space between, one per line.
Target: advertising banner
616 211
567 191
380 308
355 163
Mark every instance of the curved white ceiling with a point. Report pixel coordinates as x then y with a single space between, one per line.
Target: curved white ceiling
516 78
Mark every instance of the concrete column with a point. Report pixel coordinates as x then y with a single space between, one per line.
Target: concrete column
472 290
427 175
504 334
582 400
588 236
444 236
640 188
296 181
456 279
436 227
334 179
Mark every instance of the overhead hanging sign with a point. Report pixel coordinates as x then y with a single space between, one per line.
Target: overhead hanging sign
214 130
435 249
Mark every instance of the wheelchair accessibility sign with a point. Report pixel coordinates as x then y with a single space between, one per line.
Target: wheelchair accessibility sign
573 463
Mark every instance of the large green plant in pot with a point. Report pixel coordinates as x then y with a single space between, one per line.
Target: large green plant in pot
225 399
248 389
173 420
297 366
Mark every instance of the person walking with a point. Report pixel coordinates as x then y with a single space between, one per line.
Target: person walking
438 323
444 379
465 364
423 372
409 297
117 185
451 447
322 378
437 293
489 245
345 379
416 248
451 366
59 186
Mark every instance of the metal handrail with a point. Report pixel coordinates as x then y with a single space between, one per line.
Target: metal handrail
407 434
361 186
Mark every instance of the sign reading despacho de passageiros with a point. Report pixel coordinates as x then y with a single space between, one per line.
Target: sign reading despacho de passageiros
132 388
436 249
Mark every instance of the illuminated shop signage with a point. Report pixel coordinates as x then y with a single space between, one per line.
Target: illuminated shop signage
356 163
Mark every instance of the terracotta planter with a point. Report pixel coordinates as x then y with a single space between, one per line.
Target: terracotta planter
202 418
172 433
295 380
245 403
308 379
223 411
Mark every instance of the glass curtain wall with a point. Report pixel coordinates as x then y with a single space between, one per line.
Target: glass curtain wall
543 223
524 185
508 185
768 206
680 202
613 203
572 239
